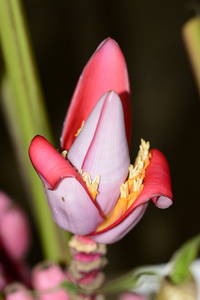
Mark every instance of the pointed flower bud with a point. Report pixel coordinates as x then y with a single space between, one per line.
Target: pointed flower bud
90 188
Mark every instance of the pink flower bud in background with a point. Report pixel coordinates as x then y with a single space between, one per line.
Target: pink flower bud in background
14 232
14 242
14 229
17 292
45 277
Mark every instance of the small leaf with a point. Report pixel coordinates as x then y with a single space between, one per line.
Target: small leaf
182 260
130 281
70 287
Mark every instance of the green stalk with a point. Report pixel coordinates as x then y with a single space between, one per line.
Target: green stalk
24 109
191 38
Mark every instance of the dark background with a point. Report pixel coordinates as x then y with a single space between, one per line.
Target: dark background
164 100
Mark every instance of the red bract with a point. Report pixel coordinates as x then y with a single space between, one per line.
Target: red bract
106 70
91 190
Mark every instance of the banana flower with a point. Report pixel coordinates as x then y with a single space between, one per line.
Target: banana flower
91 188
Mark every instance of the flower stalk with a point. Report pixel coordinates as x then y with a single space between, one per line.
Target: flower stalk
25 114
87 263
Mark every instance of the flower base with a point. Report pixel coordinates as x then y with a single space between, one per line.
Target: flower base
88 261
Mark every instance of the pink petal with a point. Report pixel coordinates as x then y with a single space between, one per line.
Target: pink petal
101 149
106 70
72 208
70 202
117 232
157 185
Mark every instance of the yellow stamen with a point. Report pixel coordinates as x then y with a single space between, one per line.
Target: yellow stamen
79 130
91 185
117 212
64 154
131 189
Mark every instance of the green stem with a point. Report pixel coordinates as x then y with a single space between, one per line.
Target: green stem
24 109
130 281
191 38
